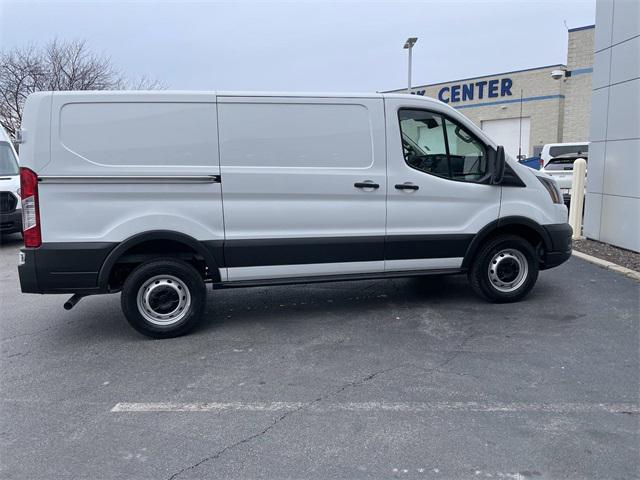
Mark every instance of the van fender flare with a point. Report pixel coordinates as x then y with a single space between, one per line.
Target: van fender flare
496 225
125 245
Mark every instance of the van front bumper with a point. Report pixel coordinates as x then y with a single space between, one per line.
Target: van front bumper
561 246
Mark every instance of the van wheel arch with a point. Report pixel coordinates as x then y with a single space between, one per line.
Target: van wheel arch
167 243
523 227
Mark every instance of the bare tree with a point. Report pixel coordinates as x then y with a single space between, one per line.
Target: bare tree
58 66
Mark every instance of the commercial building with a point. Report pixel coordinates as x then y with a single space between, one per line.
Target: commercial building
525 109
612 210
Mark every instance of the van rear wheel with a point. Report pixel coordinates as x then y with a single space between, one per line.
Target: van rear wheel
164 298
505 270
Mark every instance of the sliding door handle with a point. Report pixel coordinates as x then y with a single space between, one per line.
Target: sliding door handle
367 184
406 186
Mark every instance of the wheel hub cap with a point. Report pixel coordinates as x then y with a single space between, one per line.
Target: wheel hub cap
508 270
164 300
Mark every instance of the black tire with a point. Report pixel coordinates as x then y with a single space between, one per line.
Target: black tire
480 275
177 292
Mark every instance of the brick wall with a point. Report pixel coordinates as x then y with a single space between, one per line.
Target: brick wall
577 87
545 113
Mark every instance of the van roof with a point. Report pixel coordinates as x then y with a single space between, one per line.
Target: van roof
225 93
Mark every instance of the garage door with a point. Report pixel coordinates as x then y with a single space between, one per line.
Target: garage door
506 132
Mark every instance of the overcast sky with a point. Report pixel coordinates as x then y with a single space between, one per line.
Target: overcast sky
304 45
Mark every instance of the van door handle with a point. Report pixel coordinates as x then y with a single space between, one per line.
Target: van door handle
366 185
406 186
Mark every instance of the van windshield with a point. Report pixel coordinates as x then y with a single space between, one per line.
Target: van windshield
8 163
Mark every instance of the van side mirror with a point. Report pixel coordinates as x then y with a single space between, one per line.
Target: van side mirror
497 167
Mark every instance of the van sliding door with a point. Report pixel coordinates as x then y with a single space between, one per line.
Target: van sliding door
304 186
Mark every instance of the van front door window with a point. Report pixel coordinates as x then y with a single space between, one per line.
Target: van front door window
438 146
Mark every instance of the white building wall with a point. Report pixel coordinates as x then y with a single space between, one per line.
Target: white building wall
612 212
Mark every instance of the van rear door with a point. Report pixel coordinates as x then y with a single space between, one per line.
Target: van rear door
304 182
435 204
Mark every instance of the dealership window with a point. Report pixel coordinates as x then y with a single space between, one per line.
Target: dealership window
434 144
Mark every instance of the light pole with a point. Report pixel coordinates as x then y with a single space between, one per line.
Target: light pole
411 41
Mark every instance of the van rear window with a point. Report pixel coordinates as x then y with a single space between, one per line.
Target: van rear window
562 163
568 149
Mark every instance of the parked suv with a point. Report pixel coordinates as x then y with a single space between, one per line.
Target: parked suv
560 168
556 160
10 211
156 194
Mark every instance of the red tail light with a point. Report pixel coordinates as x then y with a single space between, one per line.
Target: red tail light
30 208
541 163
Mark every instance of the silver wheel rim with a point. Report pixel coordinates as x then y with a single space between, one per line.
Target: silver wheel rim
164 300
508 270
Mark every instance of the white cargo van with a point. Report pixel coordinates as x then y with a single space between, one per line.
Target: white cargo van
10 211
155 194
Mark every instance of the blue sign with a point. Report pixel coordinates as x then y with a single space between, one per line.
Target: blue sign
476 90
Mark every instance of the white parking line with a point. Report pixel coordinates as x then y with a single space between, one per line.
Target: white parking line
497 407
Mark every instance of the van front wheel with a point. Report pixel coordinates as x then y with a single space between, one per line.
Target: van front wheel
164 298
505 270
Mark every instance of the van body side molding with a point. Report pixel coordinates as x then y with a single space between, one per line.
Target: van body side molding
310 250
333 278
130 179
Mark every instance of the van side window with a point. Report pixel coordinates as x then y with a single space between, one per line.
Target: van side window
467 156
423 141
434 144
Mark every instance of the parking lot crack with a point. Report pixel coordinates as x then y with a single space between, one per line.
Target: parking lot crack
239 443
451 357
457 352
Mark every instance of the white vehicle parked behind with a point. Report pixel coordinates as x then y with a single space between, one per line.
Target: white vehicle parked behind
10 210
556 160
156 194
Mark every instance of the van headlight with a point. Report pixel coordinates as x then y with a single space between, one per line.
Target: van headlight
552 188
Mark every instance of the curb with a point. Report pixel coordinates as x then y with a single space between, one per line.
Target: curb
608 265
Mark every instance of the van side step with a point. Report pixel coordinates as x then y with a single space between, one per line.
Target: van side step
334 278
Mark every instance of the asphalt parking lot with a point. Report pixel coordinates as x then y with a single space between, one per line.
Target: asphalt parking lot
404 378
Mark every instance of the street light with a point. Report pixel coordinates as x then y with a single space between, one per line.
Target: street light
411 41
